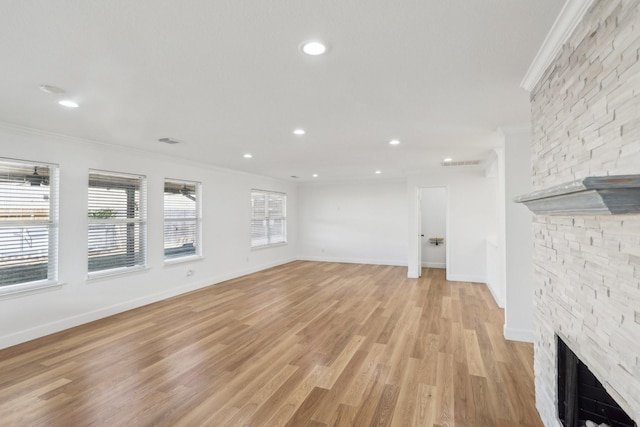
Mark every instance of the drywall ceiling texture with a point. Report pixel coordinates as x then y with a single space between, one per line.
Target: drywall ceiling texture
227 78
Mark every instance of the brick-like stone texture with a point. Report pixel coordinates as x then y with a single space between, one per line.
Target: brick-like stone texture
586 122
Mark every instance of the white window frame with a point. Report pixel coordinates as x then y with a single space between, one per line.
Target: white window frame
267 217
140 220
196 219
52 225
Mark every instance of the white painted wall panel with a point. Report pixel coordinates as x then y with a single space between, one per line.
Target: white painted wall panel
226 246
363 222
472 206
519 306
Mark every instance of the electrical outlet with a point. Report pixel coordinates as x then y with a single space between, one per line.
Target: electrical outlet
189 273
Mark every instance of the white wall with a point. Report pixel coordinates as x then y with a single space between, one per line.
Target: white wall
361 222
226 247
519 306
471 206
365 222
433 202
495 244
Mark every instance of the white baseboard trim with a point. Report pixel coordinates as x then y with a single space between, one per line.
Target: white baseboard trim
415 274
354 260
243 272
453 277
494 294
476 279
434 264
515 334
80 319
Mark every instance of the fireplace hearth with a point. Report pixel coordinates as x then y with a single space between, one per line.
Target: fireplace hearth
582 397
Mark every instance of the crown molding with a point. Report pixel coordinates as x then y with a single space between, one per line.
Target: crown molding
570 16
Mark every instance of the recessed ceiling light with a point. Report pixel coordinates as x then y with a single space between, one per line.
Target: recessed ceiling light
447 159
378 172
51 89
68 103
247 156
313 48
394 142
299 132
315 175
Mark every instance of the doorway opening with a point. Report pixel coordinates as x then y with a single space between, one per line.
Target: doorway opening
432 219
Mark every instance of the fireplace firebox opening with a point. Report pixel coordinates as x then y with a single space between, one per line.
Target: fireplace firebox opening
582 397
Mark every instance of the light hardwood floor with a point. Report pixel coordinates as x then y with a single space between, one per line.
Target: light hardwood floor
304 344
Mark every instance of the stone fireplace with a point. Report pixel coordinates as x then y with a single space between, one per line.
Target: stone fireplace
586 123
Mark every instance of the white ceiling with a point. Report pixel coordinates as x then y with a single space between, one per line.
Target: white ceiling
226 77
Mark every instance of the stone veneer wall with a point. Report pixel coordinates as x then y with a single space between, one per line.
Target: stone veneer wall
586 122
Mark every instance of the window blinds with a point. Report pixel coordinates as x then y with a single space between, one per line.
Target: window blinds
268 218
117 221
182 218
28 222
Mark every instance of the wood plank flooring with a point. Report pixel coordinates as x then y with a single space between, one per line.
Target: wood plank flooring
304 344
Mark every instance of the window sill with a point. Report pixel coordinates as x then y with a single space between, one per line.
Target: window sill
115 272
23 289
273 245
180 260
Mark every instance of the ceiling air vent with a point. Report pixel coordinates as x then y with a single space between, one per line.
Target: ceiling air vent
169 140
462 163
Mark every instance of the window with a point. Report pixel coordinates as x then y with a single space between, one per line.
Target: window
28 225
268 218
182 218
117 222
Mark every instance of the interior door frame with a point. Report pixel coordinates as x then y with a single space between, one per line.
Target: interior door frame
419 225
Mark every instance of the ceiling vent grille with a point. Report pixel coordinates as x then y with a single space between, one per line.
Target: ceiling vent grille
169 140
462 163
